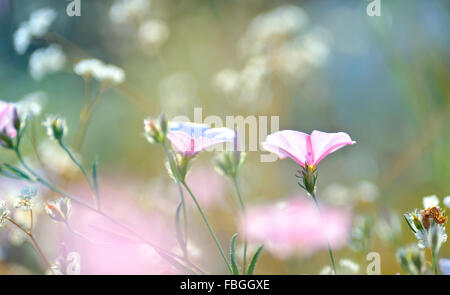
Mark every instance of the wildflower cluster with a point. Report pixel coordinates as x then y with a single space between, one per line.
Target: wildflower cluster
428 226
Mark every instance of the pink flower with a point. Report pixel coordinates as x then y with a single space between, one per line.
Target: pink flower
192 138
208 187
305 149
295 226
112 250
8 114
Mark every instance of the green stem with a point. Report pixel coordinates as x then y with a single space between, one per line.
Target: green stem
330 250
208 225
434 265
78 164
244 216
85 118
183 203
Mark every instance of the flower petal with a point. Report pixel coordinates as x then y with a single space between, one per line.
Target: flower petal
324 143
288 143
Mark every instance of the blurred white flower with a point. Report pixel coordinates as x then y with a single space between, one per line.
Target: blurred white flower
17 236
102 72
412 259
366 191
69 264
326 270
388 227
22 38
227 81
348 266
297 57
272 26
128 10
4 213
88 67
40 21
251 80
37 26
338 194
110 74
46 60
447 201
430 201
153 33
31 104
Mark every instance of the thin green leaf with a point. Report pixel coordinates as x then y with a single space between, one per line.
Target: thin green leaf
234 266
95 176
409 224
17 171
251 267
180 237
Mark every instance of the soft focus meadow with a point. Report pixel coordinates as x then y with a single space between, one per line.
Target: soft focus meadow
97 177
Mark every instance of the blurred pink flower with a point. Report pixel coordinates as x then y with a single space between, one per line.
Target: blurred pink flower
107 248
295 226
303 148
8 113
207 186
192 138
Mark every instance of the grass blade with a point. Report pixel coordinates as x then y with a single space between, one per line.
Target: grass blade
251 267
234 266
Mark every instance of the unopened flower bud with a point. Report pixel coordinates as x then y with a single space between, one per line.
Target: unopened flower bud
178 168
230 163
308 177
156 132
56 127
9 124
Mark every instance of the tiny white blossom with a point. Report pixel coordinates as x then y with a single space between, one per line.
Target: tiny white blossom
127 10
40 21
23 201
88 67
326 270
46 60
430 201
447 201
349 266
153 33
35 27
4 213
226 81
31 104
22 38
110 74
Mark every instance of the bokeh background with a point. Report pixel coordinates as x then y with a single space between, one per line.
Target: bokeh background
322 65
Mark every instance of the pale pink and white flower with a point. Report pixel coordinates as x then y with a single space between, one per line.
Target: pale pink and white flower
306 150
295 226
8 114
191 138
